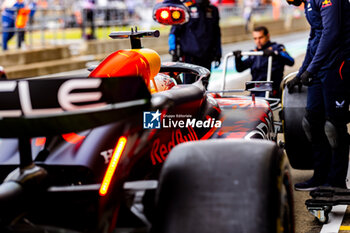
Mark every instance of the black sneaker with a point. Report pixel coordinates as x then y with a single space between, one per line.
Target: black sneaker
308 185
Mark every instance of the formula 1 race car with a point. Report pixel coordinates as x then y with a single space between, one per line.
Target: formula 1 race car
129 147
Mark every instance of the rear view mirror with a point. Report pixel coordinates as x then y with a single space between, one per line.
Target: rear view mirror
171 13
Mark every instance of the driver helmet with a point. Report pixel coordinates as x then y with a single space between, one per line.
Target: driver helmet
161 82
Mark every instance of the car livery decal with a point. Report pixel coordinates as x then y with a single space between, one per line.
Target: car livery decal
160 148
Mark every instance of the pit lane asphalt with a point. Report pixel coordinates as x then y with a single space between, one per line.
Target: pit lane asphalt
307 223
295 44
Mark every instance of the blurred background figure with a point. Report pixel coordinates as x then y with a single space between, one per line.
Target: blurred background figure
88 19
247 13
32 6
276 8
21 23
8 15
131 5
198 41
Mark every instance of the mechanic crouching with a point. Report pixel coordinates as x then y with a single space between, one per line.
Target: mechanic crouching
258 64
199 40
326 72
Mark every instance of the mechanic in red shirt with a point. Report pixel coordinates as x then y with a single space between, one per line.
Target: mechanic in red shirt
326 72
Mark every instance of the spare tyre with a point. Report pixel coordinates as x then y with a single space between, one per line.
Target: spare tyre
297 146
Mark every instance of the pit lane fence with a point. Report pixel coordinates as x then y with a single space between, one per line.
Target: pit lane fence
56 20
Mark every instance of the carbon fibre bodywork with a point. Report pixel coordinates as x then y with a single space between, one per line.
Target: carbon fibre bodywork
68 132
76 163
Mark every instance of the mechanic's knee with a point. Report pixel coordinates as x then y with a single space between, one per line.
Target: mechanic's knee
332 134
307 128
313 126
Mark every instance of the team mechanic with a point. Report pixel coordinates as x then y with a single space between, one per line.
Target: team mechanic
199 40
258 64
326 72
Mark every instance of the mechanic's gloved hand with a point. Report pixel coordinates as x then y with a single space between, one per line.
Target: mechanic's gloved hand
294 82
269 52
237 54
174 55
217 62
306 78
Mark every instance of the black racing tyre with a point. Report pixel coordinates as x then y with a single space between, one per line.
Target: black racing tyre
224 186
296 144
286 195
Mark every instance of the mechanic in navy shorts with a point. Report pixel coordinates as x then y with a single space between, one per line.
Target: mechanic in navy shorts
199 40
326 72
258 64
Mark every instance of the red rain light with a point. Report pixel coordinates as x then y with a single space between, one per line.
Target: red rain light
170 15
112 165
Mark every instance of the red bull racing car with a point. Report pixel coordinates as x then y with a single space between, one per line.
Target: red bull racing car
131 149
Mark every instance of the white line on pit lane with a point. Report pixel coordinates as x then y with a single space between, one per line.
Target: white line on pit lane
335 219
